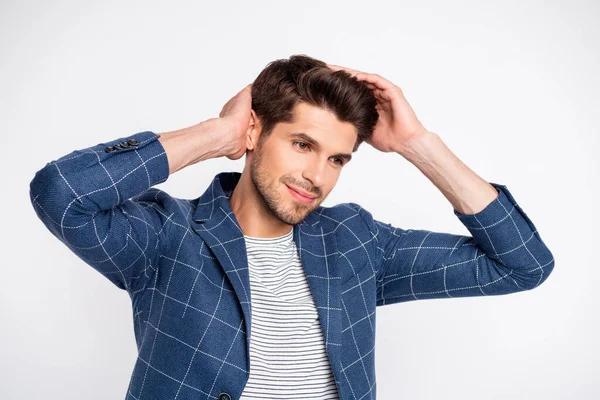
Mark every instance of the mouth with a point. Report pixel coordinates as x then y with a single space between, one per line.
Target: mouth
304 198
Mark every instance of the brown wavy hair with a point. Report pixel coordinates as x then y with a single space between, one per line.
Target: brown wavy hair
285 82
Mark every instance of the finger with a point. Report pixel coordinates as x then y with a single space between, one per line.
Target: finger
351 71
380 94
375 79
382 98
335 67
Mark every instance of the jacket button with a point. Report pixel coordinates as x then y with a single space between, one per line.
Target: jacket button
109 149
224 396
125 144
133 142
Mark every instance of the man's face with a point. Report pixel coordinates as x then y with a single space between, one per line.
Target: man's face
307 155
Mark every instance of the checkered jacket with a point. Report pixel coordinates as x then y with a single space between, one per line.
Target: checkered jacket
183 264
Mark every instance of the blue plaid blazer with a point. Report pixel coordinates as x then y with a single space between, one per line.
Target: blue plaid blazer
183 264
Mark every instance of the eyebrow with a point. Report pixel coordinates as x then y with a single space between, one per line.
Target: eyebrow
314 143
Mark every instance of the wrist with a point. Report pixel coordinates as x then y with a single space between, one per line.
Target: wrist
224 131
193 144
418 145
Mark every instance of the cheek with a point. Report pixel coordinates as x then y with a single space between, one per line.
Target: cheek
286 160
280 163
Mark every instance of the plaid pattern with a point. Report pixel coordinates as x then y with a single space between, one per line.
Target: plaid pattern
183 263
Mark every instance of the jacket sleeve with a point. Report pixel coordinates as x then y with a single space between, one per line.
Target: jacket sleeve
505 254
96 201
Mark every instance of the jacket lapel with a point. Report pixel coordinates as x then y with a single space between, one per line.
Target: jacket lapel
217 225
319 255
220 230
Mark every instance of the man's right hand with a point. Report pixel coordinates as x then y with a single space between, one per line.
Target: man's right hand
236 117
215 137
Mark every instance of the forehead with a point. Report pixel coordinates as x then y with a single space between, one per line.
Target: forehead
321 124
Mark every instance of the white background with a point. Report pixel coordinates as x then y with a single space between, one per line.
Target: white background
509 86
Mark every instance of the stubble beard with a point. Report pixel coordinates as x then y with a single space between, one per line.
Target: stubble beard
267 190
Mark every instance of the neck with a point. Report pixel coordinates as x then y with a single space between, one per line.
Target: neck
251 212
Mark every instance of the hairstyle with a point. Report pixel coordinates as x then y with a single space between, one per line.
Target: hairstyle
284 83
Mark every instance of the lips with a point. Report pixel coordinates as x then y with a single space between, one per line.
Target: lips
302 192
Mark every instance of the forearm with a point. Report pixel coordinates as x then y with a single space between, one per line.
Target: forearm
80 188
465 190
98 178
193 144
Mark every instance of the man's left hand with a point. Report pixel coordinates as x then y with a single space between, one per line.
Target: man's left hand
397 123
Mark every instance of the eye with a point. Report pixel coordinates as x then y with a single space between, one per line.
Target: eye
303 145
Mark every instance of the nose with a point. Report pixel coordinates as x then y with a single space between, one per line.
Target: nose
315 172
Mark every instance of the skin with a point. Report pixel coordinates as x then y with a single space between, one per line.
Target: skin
261 200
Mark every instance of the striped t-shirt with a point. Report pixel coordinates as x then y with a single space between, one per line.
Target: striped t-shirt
287 351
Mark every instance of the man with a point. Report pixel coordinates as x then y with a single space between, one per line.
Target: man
255 290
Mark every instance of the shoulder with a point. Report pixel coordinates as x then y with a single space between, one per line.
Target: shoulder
164 204
350 215
347 210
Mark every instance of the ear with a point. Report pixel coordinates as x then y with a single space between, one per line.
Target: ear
253 132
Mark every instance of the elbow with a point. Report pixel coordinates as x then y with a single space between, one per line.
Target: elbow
540 273
42 187
53 200
43 196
